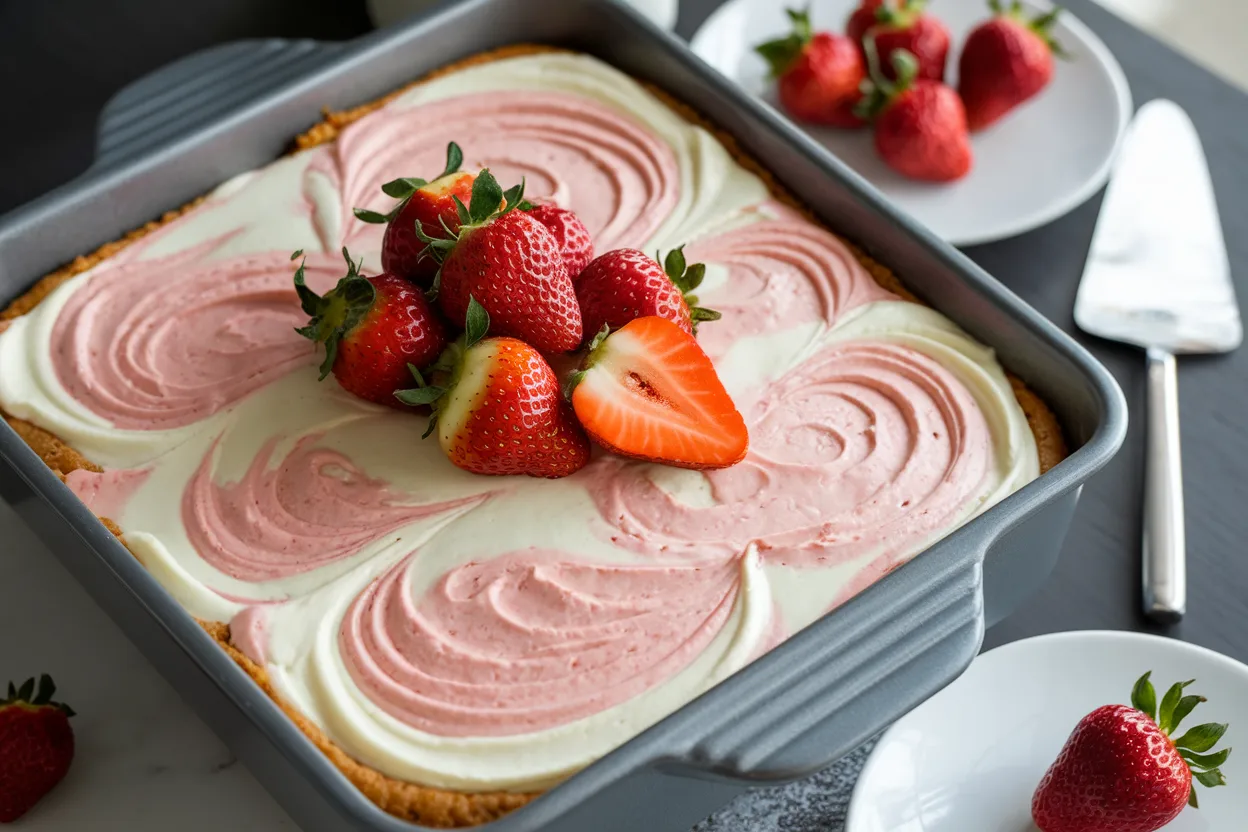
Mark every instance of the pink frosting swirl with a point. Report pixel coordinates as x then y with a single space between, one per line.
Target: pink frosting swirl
162 343
530 640
867 448
313 508
107 492
780 273
616 175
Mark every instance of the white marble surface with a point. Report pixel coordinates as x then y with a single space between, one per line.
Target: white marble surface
144 762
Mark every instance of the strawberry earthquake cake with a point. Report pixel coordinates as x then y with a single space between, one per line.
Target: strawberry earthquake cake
480 476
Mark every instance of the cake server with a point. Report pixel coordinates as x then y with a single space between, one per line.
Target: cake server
1158 277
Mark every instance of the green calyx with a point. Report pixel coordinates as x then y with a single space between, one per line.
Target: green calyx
338 312
38 697
487 203
449 366
592 352
687 278
782 52
1041 25
403 188
1195 742
900 15
878 92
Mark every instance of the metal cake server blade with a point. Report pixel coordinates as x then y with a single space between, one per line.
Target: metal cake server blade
1158 277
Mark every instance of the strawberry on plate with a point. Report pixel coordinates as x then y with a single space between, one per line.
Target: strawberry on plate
1006 61
372 329
498 409
902 24
36 746
818 73
569 232
920 125
649 392
625 284
429 205
511 264
1124 770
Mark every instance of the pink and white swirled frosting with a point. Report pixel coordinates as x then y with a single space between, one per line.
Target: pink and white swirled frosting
476 633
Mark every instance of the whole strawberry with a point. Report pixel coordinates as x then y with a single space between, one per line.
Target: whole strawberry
569 232
431 205
902 24
36 746
372 329
818 74
511 265
1120 770
625 284
1006 61
500 410
920 125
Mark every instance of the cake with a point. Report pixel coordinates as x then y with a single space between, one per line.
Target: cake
456 643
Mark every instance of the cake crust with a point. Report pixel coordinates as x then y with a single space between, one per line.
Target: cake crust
433 807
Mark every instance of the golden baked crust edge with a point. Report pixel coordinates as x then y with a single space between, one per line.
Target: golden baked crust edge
440 808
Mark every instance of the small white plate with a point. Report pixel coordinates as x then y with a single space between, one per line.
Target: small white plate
969 759
1033 166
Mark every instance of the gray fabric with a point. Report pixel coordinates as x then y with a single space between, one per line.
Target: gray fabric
816 804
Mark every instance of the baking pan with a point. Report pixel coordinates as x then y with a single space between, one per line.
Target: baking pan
181 132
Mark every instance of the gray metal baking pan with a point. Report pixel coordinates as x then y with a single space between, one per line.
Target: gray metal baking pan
797 709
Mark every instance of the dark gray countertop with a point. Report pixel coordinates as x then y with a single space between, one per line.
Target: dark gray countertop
56 75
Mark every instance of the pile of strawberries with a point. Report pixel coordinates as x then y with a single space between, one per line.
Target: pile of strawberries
888 70
481 292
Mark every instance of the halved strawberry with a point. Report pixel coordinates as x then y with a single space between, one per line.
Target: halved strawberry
625 284
429 205
648 391
372 329
498 409
511 265
569 232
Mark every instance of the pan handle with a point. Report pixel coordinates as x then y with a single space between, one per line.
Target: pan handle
197 90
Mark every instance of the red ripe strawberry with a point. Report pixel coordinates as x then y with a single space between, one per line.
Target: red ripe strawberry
626 284
862 19
903 24
372 329
569 232
501 411
1006 61
819 74
649 392
1120 771
432 205
512 265
36 746
920 126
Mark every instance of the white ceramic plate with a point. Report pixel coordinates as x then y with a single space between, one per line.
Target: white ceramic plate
1038 163
969 759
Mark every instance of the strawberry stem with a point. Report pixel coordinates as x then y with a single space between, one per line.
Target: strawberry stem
1175 707
877 91
782 52
28 694
338 312
403 188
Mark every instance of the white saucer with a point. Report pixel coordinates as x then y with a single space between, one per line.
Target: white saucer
969 759
1040 162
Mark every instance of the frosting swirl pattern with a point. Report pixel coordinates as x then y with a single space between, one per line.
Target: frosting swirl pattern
617 176
313 508
866 448
166 342
530 640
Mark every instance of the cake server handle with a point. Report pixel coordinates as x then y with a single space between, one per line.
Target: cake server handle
1165 555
